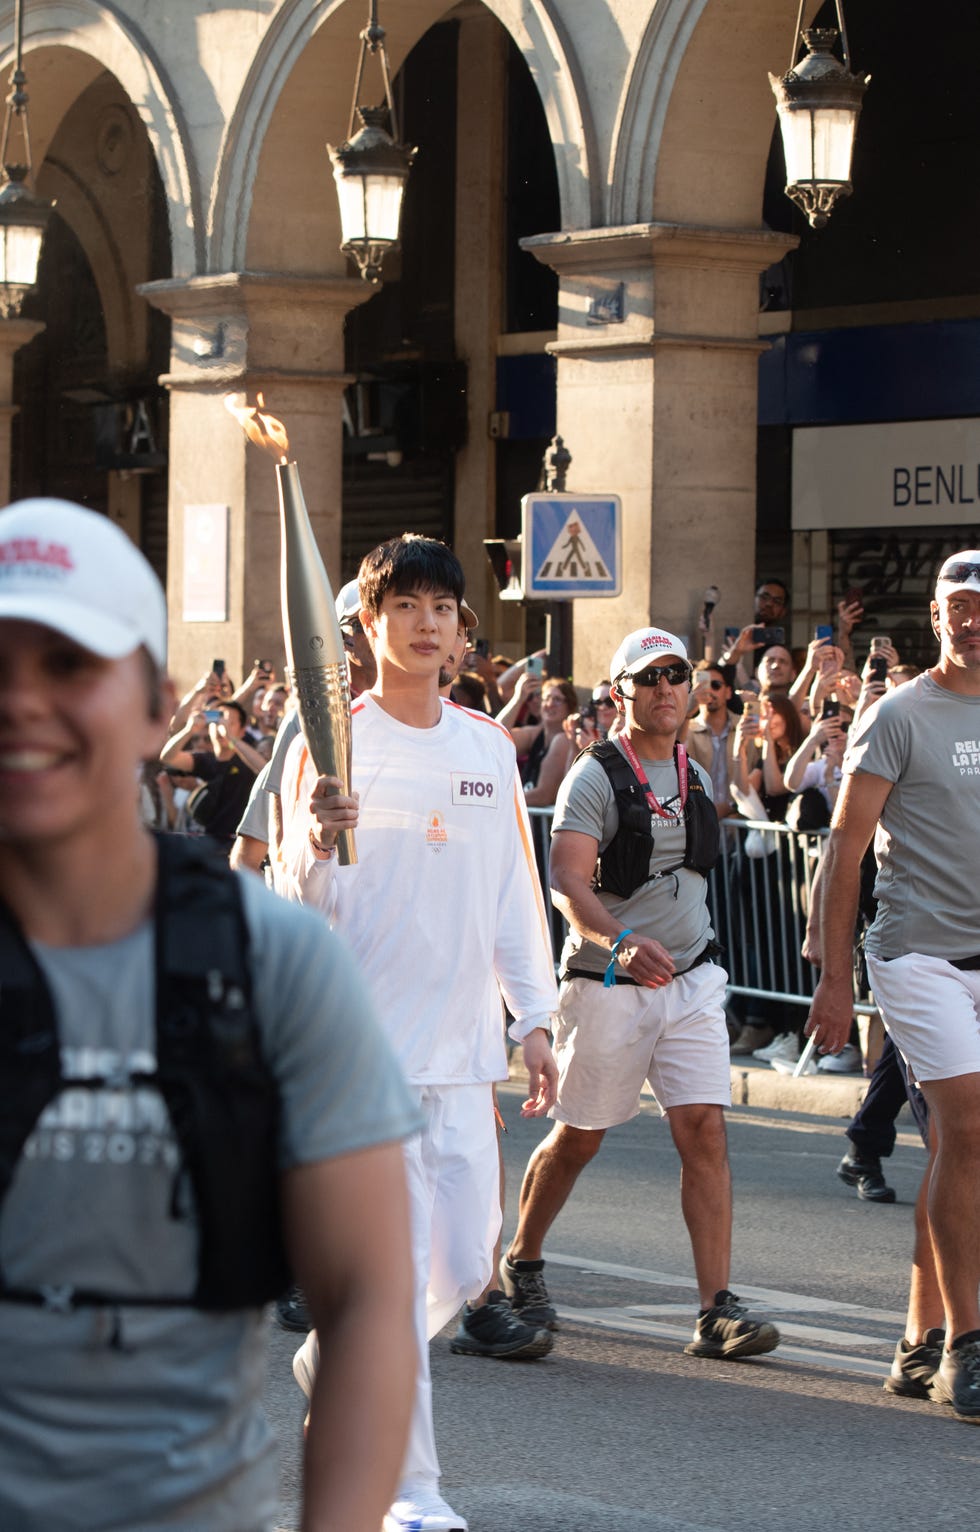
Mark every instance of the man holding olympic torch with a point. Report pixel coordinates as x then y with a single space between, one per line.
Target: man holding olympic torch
442 842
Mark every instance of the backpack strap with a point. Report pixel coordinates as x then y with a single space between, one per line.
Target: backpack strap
30 1054
220 1093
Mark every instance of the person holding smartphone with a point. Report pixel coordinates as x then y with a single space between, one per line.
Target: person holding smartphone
228 769
771 613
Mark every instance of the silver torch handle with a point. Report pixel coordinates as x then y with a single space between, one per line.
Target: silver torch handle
314 645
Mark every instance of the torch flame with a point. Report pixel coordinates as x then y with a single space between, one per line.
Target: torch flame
262 430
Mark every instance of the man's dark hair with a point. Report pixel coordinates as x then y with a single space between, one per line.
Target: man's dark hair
407 563
774 580
236 707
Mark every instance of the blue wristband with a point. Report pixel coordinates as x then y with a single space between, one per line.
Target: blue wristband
609 977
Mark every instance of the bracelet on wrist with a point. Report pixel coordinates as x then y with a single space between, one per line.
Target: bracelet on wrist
608 978
326 852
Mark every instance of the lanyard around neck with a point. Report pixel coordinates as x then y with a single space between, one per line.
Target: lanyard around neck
680 761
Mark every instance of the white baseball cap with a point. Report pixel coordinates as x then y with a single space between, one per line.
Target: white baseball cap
961 571
639 648
348 602
75 571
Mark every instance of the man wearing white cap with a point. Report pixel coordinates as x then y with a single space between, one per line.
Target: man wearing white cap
635 834
177 1122
912 779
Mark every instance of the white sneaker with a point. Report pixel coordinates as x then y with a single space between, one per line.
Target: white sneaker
305 1363
788 1050
423 1511
847 1062
771 1049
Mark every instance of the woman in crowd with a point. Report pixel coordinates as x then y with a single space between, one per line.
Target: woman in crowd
548 749
777 725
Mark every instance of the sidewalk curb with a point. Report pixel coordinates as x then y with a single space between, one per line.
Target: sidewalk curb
819 1095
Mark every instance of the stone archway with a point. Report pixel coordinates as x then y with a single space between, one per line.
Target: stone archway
297 96
67 44
697 115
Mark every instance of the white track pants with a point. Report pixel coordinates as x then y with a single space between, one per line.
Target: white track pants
454 1193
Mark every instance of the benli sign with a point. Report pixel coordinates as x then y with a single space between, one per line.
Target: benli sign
900 475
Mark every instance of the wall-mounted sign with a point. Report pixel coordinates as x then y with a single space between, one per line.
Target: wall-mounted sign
206 563
902 475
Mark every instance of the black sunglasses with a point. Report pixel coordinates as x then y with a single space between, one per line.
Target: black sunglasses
716 686
675 674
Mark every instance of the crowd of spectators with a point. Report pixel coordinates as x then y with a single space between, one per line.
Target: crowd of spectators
768 724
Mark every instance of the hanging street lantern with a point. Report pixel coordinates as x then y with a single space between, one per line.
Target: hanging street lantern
819 103
371 167
23 215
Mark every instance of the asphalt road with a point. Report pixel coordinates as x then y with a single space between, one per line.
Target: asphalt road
618 1429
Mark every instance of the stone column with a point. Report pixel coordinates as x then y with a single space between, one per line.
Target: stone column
478 295
657 352
14 333
246 333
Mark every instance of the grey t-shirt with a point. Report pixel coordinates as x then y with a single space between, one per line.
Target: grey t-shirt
673 910
143 1419
926 740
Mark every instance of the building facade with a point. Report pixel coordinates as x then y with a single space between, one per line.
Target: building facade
595 243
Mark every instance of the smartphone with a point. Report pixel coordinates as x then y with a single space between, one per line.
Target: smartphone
218 667
768 636
831 708
878 642
824 632
535 666
212 714
854 596
731 637
482 647
878 667
257 665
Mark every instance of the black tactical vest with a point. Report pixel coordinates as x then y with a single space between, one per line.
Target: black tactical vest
624 866
220 1093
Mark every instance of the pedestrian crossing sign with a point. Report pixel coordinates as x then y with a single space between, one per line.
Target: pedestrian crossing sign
572 546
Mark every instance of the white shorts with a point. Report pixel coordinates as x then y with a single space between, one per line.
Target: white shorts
932 1011
608 1042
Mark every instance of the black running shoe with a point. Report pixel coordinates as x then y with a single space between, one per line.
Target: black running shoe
914 1367
957 1379
725 1330
523 1283
495 1330
292 1313
865 1173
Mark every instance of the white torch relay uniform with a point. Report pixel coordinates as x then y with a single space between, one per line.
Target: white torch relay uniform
444 912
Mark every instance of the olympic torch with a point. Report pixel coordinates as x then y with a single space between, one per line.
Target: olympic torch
314 646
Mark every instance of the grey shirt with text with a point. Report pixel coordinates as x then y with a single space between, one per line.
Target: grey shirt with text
926 741
674 909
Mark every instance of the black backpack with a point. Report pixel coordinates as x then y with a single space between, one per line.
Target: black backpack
220 1093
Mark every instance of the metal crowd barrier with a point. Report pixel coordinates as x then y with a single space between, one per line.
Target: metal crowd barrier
759 897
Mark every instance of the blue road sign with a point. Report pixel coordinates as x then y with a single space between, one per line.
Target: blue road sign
573 546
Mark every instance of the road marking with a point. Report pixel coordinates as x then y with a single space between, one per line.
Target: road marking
770 1297
849 1339
617 1319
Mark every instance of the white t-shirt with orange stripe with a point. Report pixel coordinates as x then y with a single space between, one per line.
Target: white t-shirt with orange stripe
444 903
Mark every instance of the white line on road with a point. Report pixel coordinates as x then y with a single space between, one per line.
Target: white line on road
619 1320
769 1297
